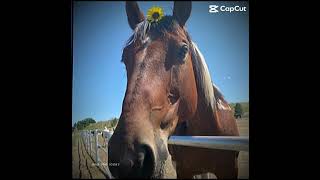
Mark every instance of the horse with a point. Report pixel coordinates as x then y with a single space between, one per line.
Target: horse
169 92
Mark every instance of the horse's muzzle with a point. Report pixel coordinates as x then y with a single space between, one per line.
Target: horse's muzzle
137 164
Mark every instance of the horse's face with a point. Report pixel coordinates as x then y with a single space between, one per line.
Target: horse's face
161 91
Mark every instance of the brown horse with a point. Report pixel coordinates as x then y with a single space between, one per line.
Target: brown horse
169 92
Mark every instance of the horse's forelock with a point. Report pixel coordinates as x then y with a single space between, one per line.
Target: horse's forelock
141 31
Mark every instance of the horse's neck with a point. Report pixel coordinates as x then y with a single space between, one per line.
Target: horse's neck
204 122
213 121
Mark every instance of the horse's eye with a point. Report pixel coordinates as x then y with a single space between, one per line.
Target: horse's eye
183 52
164 124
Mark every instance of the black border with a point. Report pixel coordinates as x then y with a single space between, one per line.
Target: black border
48 120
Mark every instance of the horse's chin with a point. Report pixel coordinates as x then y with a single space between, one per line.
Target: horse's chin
165 169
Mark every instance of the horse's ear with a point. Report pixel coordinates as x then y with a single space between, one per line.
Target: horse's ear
135 16
182 11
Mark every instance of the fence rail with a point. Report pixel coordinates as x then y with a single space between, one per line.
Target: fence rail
236 143
91 138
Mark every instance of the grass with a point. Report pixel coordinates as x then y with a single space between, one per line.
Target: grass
99 125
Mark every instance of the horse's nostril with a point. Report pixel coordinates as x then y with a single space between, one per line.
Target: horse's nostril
141 164
141 156
125 167
127 163
147 161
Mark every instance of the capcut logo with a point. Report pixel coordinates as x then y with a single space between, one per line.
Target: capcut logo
215 9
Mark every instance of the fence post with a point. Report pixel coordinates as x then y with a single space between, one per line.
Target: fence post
97 146
90 146
88 134
86 139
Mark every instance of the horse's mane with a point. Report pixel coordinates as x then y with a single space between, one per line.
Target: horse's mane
205 86
217 92
203 78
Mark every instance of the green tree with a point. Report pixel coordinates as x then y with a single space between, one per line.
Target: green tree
238 111
84 123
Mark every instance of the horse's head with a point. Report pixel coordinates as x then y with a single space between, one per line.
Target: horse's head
161 92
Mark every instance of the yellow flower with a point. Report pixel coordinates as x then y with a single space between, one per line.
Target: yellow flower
155 14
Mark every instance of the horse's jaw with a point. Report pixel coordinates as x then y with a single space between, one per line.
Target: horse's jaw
165 168
169 171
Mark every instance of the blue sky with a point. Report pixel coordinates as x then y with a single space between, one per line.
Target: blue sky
100 30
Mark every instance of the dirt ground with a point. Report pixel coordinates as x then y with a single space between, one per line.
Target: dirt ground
83 166
243 159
